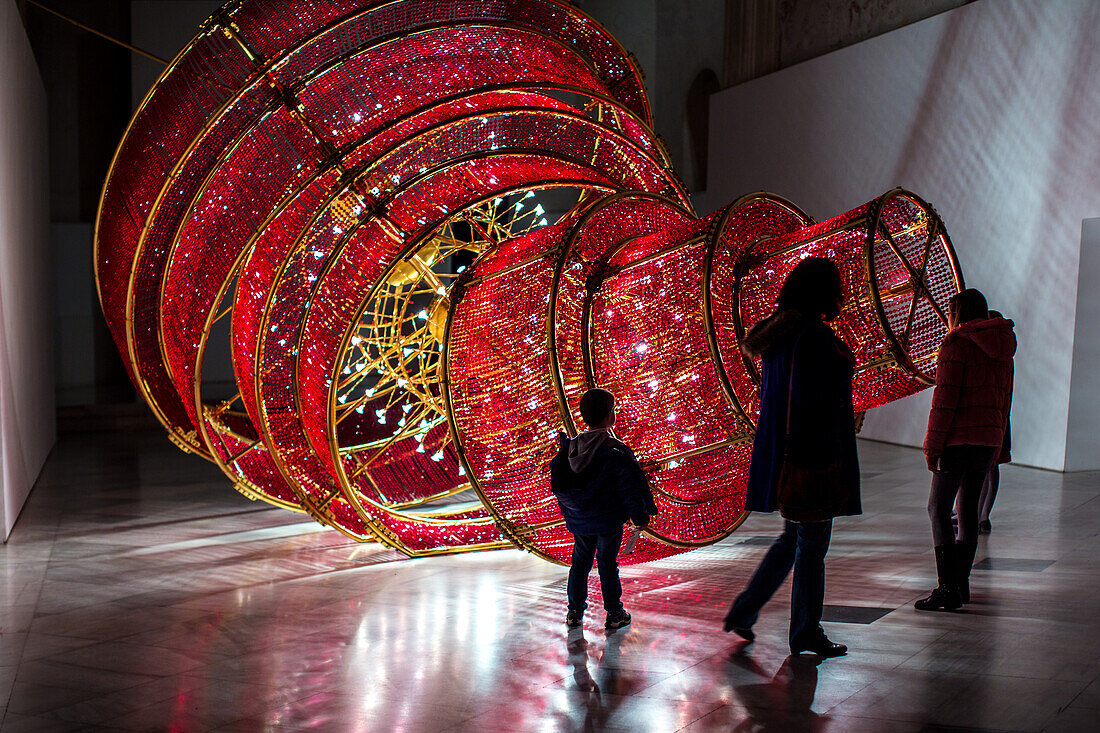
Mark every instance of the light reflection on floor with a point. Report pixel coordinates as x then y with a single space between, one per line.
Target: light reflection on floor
139 592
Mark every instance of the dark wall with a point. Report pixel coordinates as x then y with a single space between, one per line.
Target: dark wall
87 82
763 36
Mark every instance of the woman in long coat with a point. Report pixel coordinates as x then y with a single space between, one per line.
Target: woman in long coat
803 360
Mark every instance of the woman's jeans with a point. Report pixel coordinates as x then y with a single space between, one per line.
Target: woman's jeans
802 546
605 549
962 471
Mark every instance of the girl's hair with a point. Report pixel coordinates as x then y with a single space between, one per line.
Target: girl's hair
813 287
969 305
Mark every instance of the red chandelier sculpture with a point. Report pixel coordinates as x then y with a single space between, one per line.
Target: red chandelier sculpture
352 193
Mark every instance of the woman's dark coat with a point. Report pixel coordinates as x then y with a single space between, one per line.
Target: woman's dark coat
822 422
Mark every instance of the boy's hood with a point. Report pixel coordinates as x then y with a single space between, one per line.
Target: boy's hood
582 449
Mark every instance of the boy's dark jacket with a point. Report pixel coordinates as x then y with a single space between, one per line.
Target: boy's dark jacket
599 484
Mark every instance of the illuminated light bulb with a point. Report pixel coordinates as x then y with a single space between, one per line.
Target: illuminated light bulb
370 392
360 409
689 439
406 408
653 384
461 269
673 464
641 348
401 423
437 456
419 438
529 194
518 206
671 416
420 448
422 315
461 471
539 211
497 201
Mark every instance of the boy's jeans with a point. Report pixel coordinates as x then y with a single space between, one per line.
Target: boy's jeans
605 548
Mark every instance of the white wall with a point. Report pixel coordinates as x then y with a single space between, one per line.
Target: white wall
991 112
27 421
1083 442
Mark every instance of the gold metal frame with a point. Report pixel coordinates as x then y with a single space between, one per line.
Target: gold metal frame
936 229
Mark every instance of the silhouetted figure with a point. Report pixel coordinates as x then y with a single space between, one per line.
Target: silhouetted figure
993 478
966 430
805 413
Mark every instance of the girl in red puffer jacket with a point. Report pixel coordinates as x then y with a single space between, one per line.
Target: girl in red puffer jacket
966 429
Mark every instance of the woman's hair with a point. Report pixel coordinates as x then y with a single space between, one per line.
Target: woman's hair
813 287
596 404
969 305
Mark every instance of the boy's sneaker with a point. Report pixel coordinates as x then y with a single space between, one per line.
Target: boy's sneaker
617 619
573 618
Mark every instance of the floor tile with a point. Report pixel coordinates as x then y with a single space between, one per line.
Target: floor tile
853 614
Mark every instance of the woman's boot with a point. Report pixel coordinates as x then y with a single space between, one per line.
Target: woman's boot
964 553
946 595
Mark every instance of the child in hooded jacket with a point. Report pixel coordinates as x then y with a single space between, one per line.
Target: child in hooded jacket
599 486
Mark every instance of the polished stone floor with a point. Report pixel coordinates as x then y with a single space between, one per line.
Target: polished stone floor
140 592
